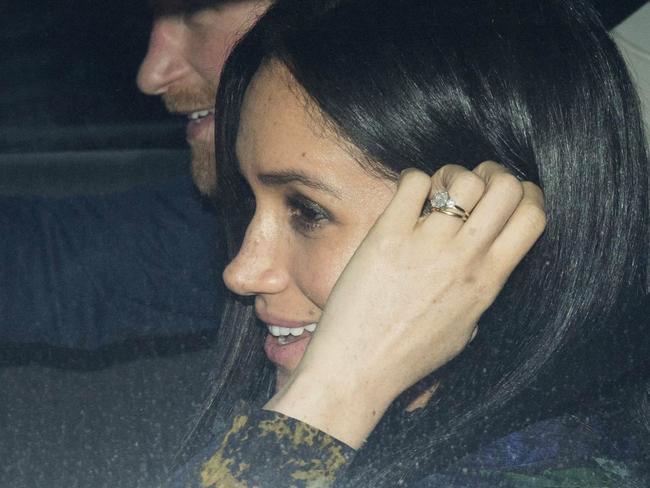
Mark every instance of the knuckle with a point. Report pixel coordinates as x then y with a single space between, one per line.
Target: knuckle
534 192
508 184
471 182
535 216
447 174
486 168
415 177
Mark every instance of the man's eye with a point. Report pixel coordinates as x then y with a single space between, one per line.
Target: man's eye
306 215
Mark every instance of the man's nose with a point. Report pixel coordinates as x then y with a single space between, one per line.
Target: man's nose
164 62
258 269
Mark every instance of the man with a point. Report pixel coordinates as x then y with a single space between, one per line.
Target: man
136 290
108 304
183 64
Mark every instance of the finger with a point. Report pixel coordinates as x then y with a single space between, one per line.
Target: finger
464 188
524 227
487 169
404 210
503 192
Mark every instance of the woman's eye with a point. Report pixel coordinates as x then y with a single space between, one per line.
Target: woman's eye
306 215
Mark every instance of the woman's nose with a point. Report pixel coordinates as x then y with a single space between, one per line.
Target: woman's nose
165 63
258 268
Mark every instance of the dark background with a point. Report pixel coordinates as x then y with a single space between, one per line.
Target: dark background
67 75
73 62
72 120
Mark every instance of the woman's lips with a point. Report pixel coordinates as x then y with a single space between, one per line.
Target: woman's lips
285 350
286 355
270 320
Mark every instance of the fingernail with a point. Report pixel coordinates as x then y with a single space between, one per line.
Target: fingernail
474 332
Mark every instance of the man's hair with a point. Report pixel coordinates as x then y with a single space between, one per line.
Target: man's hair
175 7
537 86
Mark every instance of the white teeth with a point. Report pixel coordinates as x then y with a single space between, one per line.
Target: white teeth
199 114
294 331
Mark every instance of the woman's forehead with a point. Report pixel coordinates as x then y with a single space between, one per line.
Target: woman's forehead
279 123
281 132
275 94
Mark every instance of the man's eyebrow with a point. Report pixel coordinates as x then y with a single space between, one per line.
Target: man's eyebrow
279 178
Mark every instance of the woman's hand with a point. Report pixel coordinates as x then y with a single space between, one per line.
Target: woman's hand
410 298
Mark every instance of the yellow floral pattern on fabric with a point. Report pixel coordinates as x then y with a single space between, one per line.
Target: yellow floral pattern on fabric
299 455
220 471
262 449
315 471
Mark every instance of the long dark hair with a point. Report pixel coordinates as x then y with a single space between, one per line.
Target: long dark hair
537 86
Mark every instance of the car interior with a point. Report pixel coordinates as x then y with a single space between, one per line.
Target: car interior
72 118
72 122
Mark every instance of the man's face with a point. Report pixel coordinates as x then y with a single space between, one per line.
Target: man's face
183 63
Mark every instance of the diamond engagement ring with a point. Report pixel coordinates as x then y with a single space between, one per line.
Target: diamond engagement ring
443 203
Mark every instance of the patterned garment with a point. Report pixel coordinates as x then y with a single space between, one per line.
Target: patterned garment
267 449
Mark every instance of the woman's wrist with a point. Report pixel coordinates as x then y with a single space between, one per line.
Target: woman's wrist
337 406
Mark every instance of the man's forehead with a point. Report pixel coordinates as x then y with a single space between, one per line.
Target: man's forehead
174 7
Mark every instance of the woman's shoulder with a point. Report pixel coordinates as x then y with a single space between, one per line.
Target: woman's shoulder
562 452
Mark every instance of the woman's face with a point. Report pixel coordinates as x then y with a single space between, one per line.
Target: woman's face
314 205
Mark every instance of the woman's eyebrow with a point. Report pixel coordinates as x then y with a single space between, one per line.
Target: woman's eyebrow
279 178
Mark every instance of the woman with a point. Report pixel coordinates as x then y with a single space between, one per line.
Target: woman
323 108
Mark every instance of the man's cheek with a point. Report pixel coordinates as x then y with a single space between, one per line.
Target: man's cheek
213 57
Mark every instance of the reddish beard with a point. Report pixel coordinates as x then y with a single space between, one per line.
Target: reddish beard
204 170
188 99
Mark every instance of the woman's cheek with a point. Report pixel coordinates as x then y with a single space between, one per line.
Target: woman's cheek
321 262
320 274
